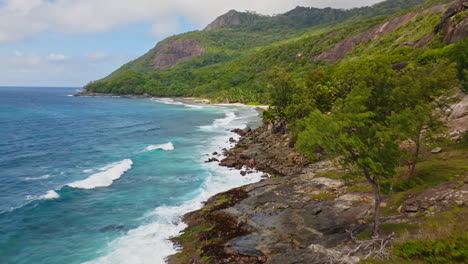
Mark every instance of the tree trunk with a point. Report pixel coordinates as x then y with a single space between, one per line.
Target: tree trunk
378 202
412 165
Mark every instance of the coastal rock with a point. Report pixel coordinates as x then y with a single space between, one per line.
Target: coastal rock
266 151
277 221
212 160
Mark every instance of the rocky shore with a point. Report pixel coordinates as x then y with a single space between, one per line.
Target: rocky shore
303 213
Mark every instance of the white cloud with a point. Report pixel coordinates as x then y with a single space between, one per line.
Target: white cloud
28 69
21 19
165 27
57 57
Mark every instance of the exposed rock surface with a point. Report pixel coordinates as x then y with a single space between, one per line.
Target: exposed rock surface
264 150
278 221
348 45
454 28
231 18
300 218
458 118
168 54
437 199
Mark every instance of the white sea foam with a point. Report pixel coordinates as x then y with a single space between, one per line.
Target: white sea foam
50 195
220 123
149 243
171 101
106 177
43 177
166 147
88 171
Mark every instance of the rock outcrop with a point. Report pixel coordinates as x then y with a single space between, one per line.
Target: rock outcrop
168 54
437 199
348 45
279 220
231 18
454 24
458 118
263 149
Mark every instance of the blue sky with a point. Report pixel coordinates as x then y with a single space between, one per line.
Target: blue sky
72 42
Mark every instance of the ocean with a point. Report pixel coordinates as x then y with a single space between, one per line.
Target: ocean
105 180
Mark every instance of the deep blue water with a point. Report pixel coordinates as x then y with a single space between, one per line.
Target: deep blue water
105 180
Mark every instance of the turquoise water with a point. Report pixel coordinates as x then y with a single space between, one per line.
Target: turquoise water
105 180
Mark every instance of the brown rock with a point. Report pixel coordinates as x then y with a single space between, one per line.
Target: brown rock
168 54
346 46
231 18
451 29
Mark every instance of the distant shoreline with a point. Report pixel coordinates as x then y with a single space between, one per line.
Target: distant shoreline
190 99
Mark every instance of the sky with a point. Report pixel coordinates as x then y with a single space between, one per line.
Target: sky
68 43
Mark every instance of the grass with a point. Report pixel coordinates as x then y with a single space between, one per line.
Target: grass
386 229
329 174
442 238
221 200
323 196
439 239
254 103
360 188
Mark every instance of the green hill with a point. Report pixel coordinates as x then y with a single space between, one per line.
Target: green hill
231 58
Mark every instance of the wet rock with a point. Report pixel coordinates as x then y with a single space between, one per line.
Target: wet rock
212 160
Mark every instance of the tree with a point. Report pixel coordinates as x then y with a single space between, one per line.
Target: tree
281 87
420 98
360 139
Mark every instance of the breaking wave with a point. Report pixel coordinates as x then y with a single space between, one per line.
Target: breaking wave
167 147
104 178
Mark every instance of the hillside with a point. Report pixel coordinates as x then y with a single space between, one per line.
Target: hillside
364 145
215 62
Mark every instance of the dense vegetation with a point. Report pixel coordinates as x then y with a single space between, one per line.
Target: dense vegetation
238 57
386 92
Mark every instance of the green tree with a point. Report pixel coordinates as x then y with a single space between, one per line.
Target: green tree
355 134
281 87
420 99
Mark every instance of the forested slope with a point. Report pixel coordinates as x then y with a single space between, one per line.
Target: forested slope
232 60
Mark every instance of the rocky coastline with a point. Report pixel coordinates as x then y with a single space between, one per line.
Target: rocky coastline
303 212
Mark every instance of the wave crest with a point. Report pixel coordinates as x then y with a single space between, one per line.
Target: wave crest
167 147
43 177
104 178
50 195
